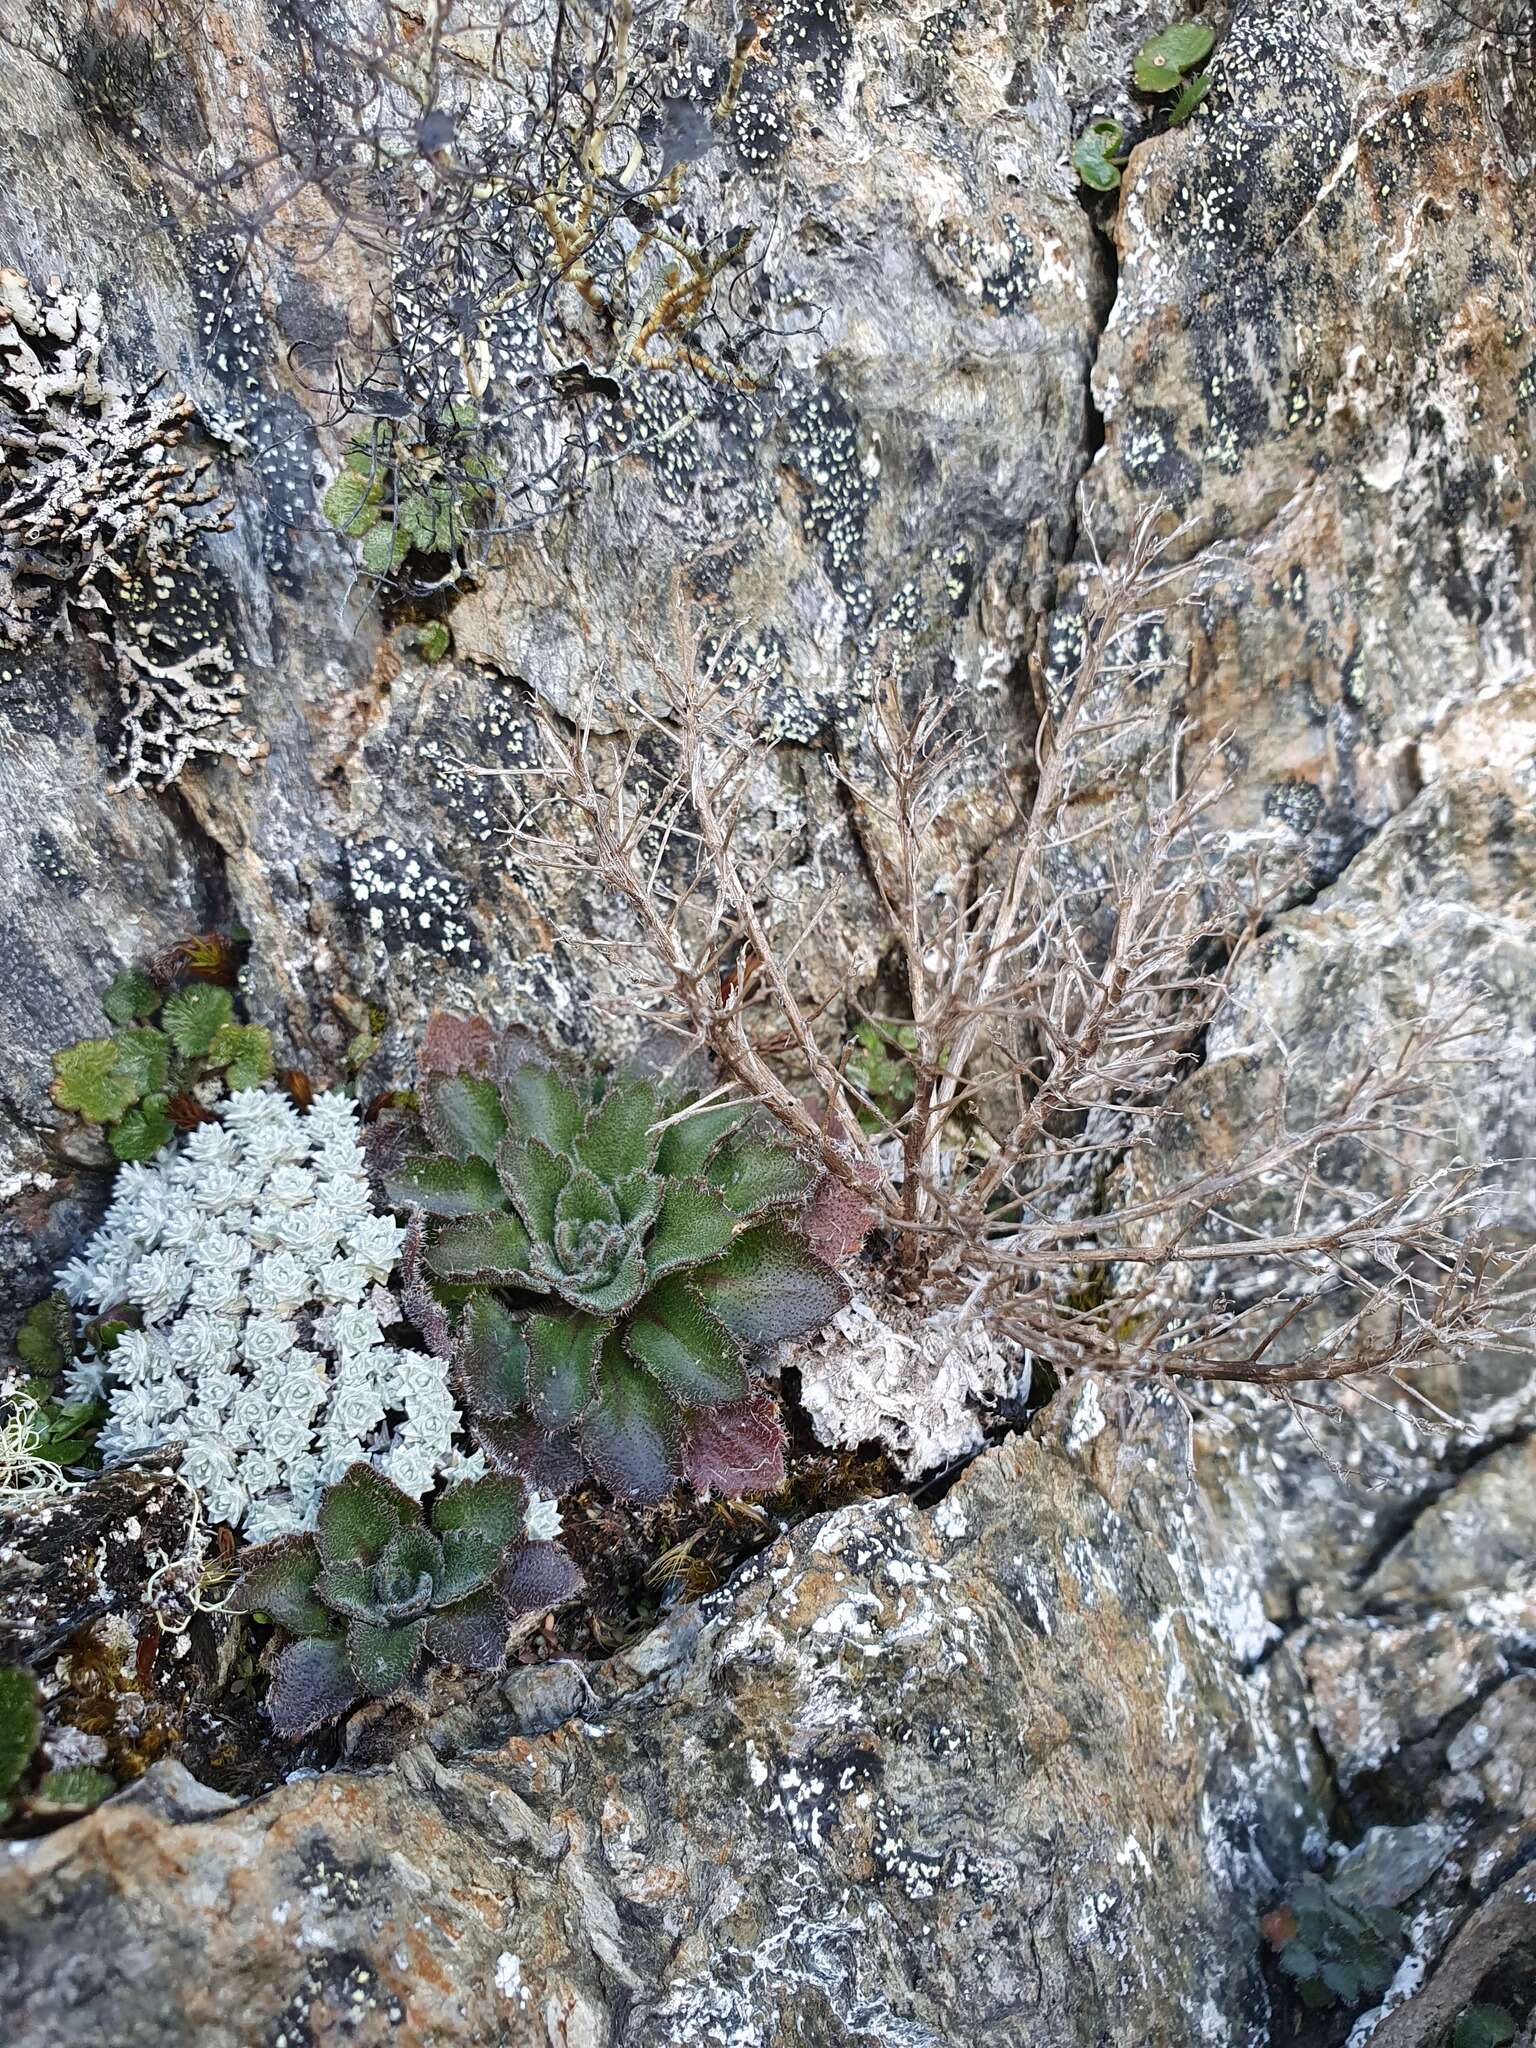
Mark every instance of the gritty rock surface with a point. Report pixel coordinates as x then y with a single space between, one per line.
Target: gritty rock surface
1024 1768
912 1778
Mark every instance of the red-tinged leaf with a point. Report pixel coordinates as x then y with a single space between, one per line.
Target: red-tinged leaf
770 1286
735 1450
455 1044
538 1577
836 1221
472 1634
463 1116
629 1436
312 1683
547 1459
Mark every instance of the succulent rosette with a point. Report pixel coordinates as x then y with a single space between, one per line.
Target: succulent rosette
378 1590
615 1257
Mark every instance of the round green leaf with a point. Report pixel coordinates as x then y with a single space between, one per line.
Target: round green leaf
193 1018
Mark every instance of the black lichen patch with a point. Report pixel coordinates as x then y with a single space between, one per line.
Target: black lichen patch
49 863
998 269
500 735
39 689
1296 803
1146 441
339 1996
283 456
815 36
232 329
179 613
822 431
404 899
1275 124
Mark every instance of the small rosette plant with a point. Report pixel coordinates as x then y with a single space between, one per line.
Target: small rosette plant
614 1260
377 1591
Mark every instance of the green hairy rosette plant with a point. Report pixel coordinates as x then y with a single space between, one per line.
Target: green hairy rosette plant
613 1261
376 1592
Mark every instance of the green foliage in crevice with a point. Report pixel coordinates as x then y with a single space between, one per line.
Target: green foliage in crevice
179 1045
1334 1950
1167 68
880 1066
377 1593
406 488
1484 2026
61 1432
21 1725
613 1262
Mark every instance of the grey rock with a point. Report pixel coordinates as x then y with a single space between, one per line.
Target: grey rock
912 1778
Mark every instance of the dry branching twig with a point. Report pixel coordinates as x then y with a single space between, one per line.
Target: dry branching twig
1037 1170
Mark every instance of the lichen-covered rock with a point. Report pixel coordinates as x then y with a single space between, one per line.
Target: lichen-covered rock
1321 355
973 1774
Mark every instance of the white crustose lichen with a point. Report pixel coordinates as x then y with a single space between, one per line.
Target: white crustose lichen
258 1268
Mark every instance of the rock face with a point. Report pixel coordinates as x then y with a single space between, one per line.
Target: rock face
1025 1767
973 1774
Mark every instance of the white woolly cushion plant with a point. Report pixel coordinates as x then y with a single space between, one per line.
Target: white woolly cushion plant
259 1269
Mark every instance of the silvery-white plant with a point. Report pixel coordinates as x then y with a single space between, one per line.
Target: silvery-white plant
259 1269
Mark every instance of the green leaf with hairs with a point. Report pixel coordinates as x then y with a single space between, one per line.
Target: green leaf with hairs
98 1078
47 1334
1191 93
562 1364
694 1223
194 1017
383 1659
360 1516
75 1789
130 995
770 1287
444 1187
687 1349
352 502
463 1115
21 1724
244 1052
481 1250
143 1131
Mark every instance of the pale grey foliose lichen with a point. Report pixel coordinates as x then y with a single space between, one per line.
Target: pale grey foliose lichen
259 1271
